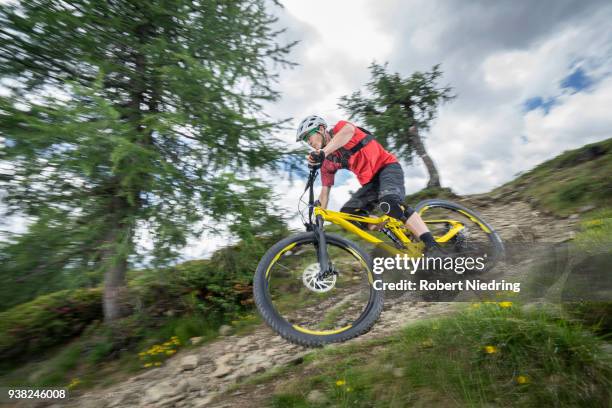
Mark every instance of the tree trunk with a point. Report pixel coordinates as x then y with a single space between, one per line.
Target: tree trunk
115 290
434 178
115 262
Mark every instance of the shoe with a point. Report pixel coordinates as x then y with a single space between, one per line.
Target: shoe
435 256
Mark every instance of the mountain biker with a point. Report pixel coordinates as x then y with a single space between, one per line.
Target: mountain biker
346 146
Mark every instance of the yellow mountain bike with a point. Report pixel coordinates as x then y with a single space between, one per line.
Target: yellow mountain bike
316 288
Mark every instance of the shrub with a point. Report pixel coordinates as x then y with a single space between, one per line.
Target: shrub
48 320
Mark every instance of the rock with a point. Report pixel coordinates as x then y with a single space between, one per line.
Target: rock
225 330
586 208
203 402
256 359
194 384
222 371
170 401
245 341
195 340
119 401
189 362
223 368
316 397
271 352
163 390
573 217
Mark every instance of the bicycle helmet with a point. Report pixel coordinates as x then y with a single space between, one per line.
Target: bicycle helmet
309 123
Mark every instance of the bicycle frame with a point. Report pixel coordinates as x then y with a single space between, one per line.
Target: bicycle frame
344 220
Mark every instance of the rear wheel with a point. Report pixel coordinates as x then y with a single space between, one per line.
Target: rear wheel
474 236
311 309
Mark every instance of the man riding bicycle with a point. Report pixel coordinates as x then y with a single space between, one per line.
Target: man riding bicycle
347 146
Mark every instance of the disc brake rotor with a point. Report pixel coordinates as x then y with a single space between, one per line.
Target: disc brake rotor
314 283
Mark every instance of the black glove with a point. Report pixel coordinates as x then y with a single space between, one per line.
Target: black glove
317 157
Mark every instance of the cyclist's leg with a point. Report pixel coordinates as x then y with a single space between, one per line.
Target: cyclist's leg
361 202
391 195
391 192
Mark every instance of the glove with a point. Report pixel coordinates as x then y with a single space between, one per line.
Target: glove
317 157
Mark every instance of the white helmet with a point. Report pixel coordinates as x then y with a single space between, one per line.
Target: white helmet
311 122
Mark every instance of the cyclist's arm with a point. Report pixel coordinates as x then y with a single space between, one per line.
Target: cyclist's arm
340 139
324 196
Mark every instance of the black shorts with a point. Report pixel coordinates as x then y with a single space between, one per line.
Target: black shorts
388 181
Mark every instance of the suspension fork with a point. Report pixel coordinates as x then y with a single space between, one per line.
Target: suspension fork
321 244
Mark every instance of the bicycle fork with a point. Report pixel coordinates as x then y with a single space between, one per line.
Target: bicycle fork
321 243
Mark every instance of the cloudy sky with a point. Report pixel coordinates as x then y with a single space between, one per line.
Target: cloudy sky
532 78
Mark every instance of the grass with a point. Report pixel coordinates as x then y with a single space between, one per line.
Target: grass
480 357
593 247
595 234
569 182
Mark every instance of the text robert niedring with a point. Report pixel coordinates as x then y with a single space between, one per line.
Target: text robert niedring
436 285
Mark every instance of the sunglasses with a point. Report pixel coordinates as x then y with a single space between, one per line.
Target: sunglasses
312 132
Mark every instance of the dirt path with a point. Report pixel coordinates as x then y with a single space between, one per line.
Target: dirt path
201 377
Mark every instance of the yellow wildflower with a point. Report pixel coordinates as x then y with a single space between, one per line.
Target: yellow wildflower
170 352
490 349
427 343
522 379
147 365
340 383
475 305
74 382
594 222
157 363
505 304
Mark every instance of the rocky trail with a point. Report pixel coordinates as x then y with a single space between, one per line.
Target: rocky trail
209 376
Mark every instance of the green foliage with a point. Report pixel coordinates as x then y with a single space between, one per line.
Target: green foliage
186 300
396 105
572 180
485 356
126 116
49 320
220 285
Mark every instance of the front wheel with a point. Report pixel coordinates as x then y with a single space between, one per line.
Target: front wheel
312 309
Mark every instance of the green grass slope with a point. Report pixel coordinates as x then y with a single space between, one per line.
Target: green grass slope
575 181
487 355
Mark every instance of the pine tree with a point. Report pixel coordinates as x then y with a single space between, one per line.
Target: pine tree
130 115
398 109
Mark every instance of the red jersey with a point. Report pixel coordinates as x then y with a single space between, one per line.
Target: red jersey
365 163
